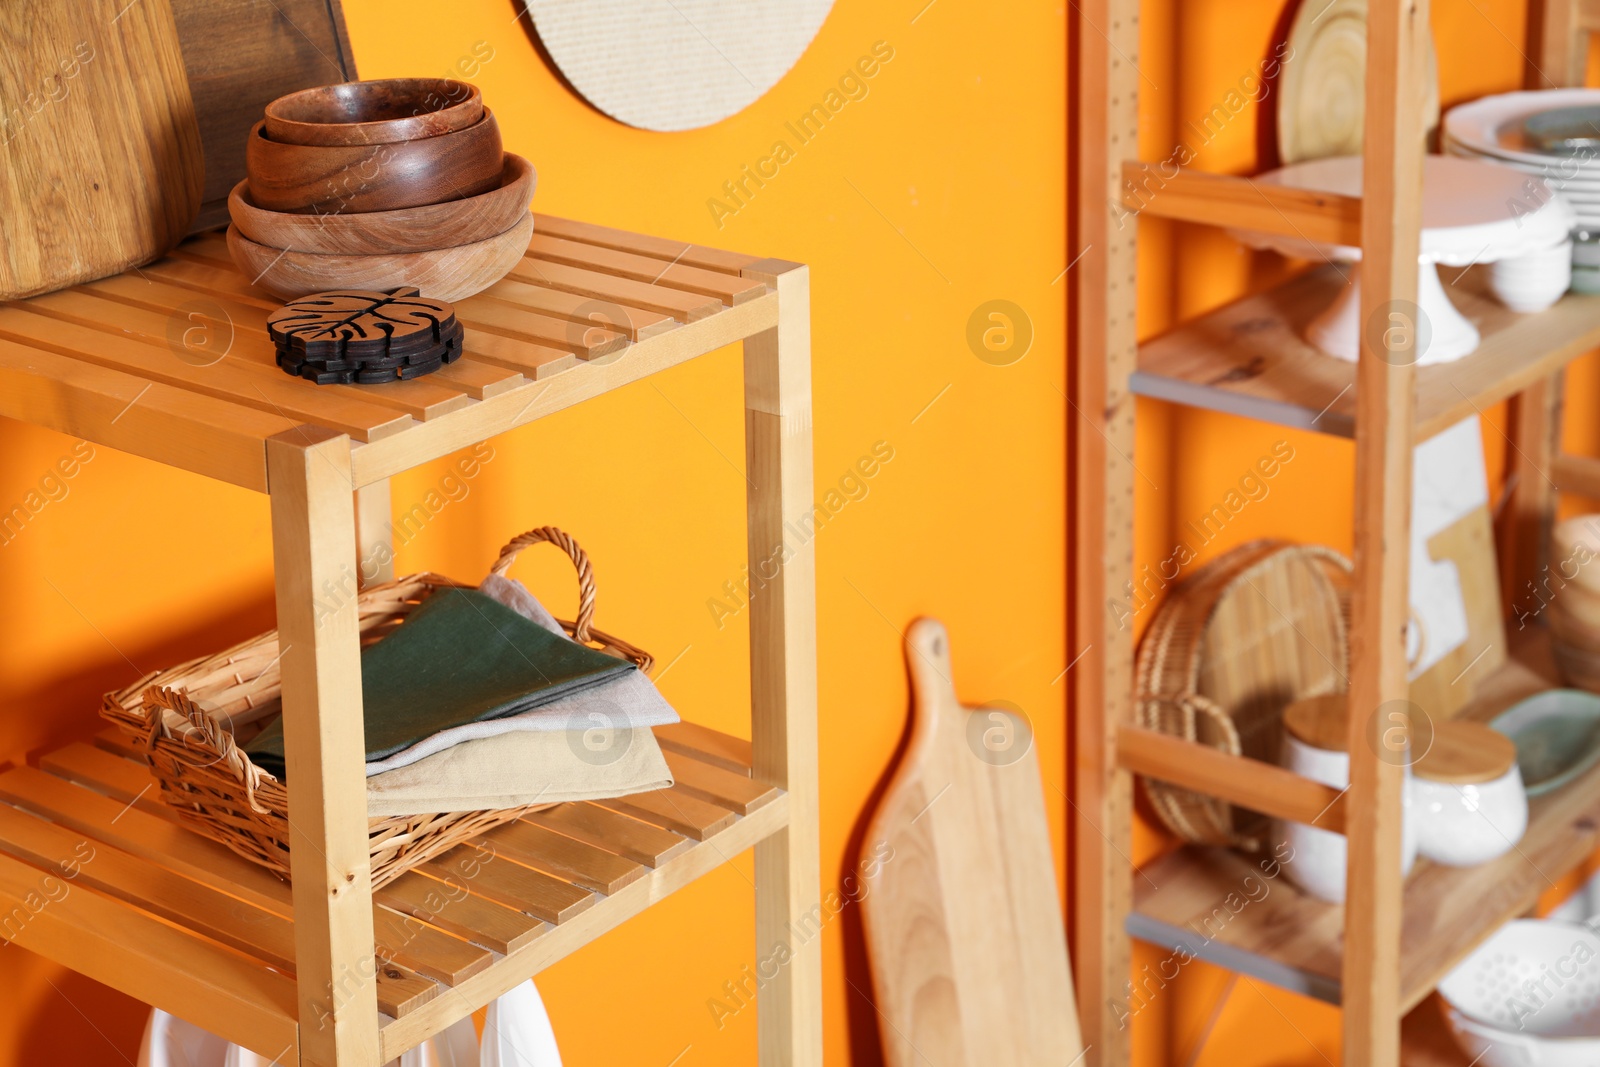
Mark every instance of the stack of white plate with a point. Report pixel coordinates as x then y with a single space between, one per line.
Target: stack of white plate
1552 134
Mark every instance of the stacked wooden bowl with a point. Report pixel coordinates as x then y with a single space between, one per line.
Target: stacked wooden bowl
380 184
1574 600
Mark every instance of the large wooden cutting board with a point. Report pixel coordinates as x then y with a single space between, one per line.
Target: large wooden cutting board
963 921
100 160
243 54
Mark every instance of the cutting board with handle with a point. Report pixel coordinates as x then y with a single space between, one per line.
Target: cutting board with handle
243 54
100 157
963 921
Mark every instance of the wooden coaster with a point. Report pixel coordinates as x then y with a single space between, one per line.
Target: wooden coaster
354 336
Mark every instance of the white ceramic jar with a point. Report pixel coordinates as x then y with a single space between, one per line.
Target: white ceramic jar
1468 796
1313 747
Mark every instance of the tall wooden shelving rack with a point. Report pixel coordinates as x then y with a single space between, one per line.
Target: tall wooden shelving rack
1381 955
182 923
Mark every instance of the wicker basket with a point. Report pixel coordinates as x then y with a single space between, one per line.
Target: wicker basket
185 718
1254 630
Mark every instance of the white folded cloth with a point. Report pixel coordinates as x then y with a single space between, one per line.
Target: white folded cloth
629 702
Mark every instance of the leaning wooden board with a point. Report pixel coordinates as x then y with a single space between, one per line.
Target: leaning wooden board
963 923
100 159
240 56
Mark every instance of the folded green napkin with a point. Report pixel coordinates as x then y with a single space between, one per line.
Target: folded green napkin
461 657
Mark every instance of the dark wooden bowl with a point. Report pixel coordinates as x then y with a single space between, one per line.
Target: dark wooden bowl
335 179
411 229
374 112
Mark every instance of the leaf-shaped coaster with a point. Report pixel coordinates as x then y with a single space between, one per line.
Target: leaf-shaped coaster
363 336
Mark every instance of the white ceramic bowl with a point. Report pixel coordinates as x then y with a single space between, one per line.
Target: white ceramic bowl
1465 825
1535 281
1528 995
1320 856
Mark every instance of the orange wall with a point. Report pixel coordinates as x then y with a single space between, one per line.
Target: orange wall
942 189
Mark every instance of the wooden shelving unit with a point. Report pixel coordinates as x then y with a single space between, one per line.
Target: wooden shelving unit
326 971
1381 955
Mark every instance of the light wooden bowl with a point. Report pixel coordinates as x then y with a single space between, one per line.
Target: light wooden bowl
409 229
444 274
336 179
1581 532
1570 627
1580 667
1578 603
374 112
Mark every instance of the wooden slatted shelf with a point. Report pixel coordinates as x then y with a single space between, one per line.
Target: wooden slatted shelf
588 309
181 922
1250 357
478 921
1295 941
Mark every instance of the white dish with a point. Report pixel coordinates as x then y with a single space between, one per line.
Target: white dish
1337 329
1528 995
1473 211
1487 126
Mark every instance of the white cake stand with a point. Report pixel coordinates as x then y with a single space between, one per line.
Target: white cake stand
1472 212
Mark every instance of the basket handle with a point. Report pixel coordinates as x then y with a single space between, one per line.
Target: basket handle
580 559
218 740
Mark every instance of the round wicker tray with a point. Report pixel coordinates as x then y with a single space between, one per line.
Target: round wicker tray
1254 630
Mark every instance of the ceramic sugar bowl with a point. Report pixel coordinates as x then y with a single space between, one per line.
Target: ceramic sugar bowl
1315 747
1467 795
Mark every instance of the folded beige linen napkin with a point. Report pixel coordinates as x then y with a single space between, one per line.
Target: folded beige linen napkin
522 767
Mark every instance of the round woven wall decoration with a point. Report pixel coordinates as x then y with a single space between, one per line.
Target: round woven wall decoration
675 64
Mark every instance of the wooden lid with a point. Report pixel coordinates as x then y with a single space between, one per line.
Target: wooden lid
1464 753
1319 721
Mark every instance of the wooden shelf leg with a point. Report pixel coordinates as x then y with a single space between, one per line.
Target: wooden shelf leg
1558 45
1379 720
313 547
1101 417
375 533
783 667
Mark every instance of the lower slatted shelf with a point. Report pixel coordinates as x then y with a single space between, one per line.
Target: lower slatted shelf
97 874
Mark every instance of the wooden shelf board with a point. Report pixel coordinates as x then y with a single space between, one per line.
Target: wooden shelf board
1250 357
1218 904
149 897
107 361
167 966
